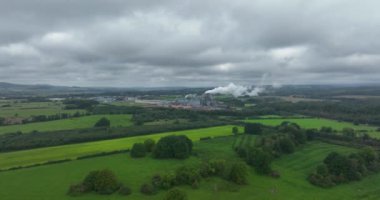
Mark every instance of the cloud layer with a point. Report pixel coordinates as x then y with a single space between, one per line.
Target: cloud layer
189 43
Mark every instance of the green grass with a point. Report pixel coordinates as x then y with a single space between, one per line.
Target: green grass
52 181
318 123
244 141
68 124
27 109
33 156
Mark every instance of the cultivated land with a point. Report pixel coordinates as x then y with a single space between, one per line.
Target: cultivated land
33 156
318 123
27 109
67 124
52 181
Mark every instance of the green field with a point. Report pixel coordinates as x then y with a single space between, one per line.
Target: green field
52 181
318 123
245 141
27 109
68 124
33 156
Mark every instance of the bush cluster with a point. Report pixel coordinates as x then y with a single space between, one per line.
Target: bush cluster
284 141
338 168
138 150
100 181
175 194
124 190
235 172
179 147
148 189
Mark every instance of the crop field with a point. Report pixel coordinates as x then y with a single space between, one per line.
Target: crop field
67 124
33 156
244 141
52 181
27 109
318 123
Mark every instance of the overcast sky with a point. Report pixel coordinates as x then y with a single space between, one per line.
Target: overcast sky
189 42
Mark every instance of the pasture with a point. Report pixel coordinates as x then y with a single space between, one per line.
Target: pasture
33 156
27 109
52 181
67 124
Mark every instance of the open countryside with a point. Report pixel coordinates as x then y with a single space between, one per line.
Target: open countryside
189 100
35 156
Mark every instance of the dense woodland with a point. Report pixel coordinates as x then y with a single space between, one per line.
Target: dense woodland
356 111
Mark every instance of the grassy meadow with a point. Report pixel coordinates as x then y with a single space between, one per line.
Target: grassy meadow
52 181
67 124
40 155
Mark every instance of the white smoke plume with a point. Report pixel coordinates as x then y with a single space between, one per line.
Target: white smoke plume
237 90
240 90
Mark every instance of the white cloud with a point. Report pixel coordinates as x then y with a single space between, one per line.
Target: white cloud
19 49
288 53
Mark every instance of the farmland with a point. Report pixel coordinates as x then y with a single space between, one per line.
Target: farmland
13 108
53 180
29 157
67 124
189 100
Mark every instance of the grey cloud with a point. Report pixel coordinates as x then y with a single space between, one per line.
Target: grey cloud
188 43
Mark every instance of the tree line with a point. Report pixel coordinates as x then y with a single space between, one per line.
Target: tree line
35 139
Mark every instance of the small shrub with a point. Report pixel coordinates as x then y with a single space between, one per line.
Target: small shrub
102 182
235 131
238 173
166 181
321 181
103 122
138 150
206 170
148 189
125 191
187 175
218 166
175 194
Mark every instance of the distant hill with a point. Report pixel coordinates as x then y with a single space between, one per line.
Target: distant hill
21 90
10 89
